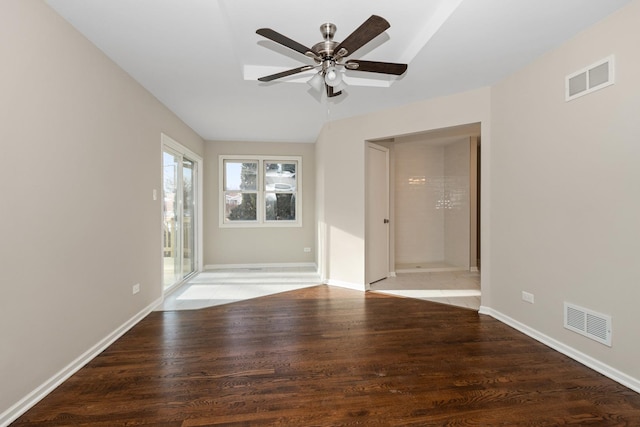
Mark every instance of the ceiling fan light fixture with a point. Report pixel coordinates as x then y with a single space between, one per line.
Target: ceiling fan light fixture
340 86
332 77
317 81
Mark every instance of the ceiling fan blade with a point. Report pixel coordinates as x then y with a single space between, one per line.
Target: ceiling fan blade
331 93
286 73
366 32
285 41
376 67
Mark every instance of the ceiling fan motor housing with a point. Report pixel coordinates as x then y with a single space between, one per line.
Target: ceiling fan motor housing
324 50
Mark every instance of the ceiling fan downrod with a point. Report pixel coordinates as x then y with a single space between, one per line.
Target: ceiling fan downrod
324 50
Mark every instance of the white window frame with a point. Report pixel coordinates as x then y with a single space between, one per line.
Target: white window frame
261 221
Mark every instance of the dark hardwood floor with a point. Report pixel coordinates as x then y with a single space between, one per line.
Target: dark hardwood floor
326 356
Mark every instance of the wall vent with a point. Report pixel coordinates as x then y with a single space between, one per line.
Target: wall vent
594 77
588 323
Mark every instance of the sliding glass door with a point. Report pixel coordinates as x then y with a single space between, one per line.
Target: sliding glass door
188 217
179 188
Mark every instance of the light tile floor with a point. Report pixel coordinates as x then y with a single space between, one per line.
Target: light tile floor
459 288
216 287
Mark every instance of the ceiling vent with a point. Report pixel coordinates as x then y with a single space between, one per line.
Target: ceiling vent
588 323
594 77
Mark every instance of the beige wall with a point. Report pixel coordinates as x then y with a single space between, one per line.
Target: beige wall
80 159
565 202
340 154
257 245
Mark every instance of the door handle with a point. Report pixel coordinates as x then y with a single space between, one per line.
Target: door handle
386 221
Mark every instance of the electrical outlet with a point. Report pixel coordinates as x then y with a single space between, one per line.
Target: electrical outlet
136 288
307 249
526 296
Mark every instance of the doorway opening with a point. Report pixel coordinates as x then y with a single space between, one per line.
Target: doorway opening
181 216
436 200
434 245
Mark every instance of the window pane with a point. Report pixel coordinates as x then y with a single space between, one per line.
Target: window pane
240 206
280 176
280 207
240 175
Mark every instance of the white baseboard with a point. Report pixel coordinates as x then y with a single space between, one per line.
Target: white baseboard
265 265
27 402
347 285
486 310
590 362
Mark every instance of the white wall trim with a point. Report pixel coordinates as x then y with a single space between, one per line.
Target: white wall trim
168 291
268 265
348 285
27 402
486 310
588 361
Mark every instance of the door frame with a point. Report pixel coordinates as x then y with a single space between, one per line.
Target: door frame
169 144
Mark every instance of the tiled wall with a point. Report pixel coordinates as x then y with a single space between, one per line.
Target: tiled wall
432 202
456 218
419 232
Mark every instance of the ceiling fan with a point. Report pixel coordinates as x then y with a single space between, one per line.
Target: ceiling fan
329 55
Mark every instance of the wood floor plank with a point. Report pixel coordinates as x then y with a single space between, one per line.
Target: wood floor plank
326 356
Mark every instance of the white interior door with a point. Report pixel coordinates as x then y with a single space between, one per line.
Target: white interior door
377 215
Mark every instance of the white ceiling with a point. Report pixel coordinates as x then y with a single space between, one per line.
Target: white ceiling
201 58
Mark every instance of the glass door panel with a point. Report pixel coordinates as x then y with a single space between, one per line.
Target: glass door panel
171 211
179 189
188 217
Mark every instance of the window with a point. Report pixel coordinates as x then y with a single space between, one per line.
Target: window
260 191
